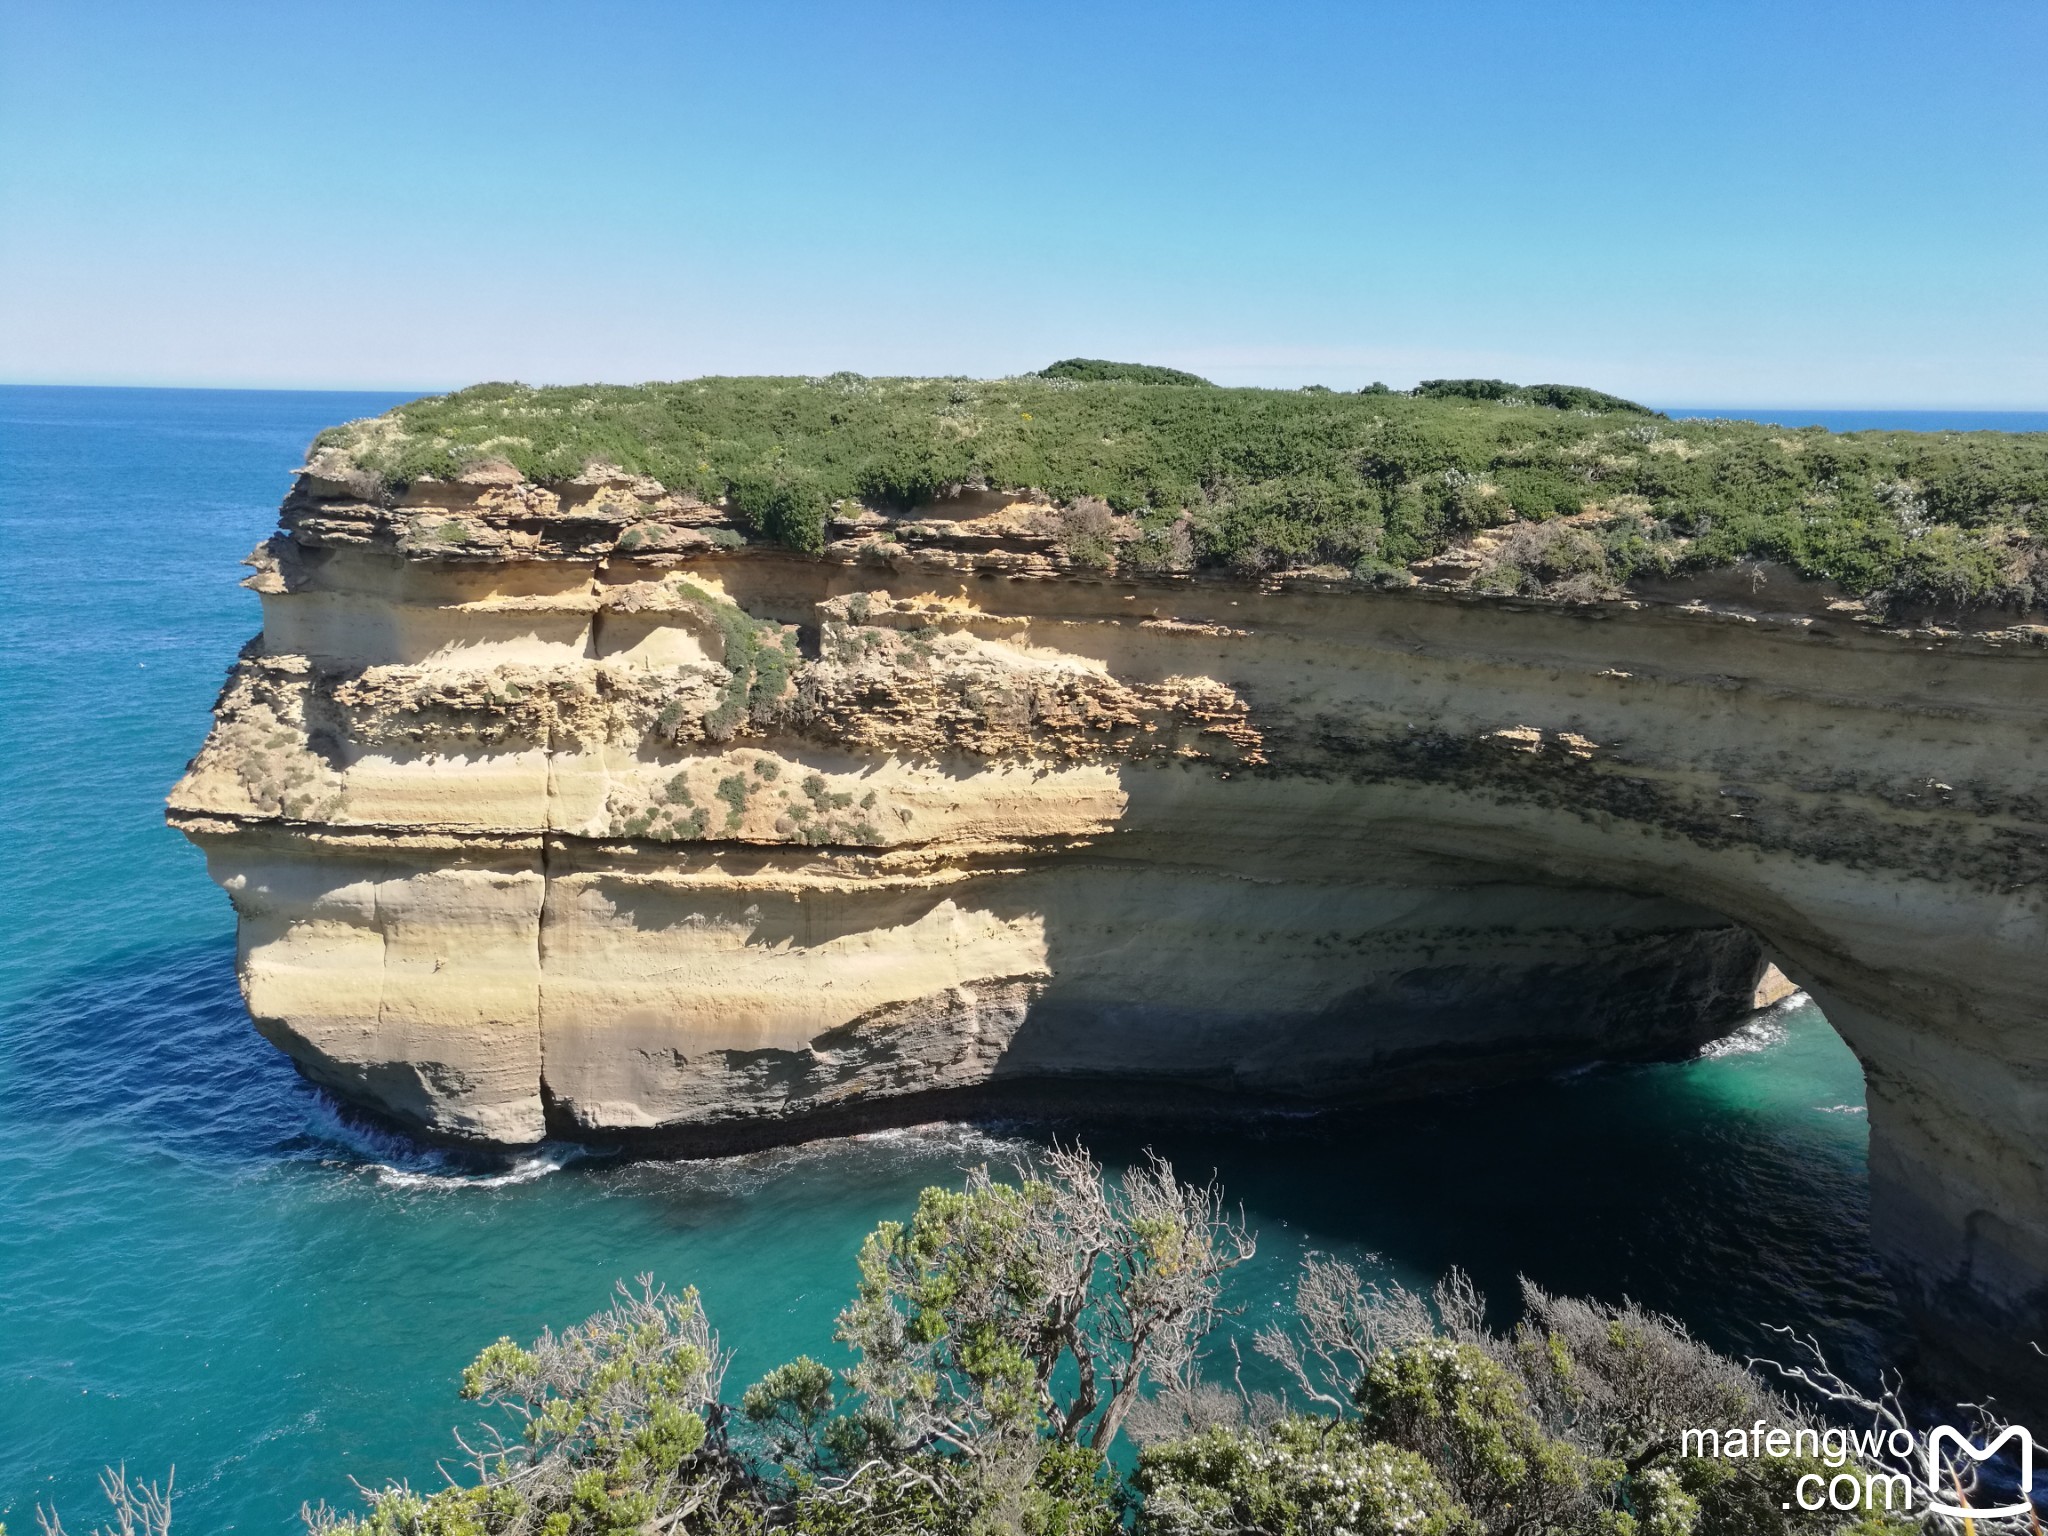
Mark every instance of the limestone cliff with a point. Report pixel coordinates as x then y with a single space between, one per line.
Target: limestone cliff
558 808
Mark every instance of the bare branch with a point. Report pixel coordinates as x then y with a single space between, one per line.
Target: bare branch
139 1509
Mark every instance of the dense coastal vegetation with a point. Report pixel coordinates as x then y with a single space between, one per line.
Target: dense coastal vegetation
1014 1332
1573 492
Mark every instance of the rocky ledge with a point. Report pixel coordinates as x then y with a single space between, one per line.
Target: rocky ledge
563 809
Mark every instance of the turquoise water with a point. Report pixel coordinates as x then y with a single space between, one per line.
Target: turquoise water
1872 421
204 1263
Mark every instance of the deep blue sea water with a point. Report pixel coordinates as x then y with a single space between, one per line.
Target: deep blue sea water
203 1263
1871 421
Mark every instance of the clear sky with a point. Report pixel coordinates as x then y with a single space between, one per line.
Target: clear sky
1688 203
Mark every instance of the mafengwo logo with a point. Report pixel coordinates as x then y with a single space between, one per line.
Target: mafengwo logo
1947 1449
1894 1470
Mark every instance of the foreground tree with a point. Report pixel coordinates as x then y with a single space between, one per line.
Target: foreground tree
1001 1337
1008 1332
1570 1425
617 1426
1053 1300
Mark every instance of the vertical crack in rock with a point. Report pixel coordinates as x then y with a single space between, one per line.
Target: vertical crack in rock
540 971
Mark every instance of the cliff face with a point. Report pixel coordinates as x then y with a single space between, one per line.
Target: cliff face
546 808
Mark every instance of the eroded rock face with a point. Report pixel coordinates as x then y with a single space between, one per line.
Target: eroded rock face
548 809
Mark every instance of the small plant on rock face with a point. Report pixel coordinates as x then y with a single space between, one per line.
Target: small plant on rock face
733 790
758 656
787 508
1163 549
1083 532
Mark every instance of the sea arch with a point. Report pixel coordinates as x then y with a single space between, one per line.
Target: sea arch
989 831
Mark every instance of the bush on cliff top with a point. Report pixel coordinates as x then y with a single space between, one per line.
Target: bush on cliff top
1272 480
1095 370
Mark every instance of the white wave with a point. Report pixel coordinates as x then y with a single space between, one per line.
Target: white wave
931 1134
334 1137
1841 1109
1761 1033
524 1170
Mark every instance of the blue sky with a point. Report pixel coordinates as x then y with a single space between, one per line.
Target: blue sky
1688 203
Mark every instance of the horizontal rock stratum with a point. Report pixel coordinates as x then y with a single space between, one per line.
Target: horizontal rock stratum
565 807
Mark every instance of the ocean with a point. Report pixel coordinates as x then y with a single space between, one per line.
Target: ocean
206 1264
1869 421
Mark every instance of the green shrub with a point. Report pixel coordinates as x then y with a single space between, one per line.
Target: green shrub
1464 389
1094 370
1557 397
1276 479
997 1334
614 1419
1473 1420
758 656
787 509
1576 397
1299 1477
733 791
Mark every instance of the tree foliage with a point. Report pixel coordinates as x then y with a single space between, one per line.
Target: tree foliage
612 1423
1005 1334
1570 1424
1050 1301
999 1338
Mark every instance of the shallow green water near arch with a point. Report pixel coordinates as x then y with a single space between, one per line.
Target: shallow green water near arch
203 1263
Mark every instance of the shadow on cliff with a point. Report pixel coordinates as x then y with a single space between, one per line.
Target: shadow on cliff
1676 1185
1714 1190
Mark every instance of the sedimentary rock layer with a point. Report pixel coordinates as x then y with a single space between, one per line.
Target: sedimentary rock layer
547 808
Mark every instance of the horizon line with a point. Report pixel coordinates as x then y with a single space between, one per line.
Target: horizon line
414 391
